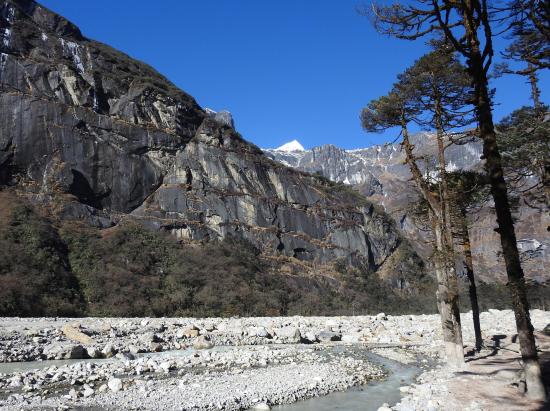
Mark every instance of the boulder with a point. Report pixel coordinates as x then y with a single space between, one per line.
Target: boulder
289 334
350 338
88 391
190 332
155 347
310 337
77 352
327 336
259 332
109 351
55 351
133 349
94 352
73 333
202 343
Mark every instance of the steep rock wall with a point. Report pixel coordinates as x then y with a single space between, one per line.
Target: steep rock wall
116 140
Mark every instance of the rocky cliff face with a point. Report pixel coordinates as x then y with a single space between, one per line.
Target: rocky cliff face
379 172
100 137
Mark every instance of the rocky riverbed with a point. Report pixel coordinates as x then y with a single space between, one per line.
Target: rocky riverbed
222 363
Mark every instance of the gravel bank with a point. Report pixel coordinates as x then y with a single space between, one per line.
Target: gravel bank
215 363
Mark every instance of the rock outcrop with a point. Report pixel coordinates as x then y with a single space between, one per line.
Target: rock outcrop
105 138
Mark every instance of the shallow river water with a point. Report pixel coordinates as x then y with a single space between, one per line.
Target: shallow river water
364 398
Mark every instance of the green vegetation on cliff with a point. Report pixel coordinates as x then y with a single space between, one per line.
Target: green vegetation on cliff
73 269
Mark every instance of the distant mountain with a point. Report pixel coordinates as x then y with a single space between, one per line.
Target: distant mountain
380 173
376 169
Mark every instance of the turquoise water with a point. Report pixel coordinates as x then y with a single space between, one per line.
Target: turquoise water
365 398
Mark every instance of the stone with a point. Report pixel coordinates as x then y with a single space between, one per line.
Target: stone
202 343
190 333
155 347
262 406
133 349
77 352
109 350
166 366
289 334
94 352
75 334
88 391
379 329
311 337
115 384
350 338
259 332
55 350
327 336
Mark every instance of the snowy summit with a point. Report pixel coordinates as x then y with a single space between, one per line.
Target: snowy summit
294 145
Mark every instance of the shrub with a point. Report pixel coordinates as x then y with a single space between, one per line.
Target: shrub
35 278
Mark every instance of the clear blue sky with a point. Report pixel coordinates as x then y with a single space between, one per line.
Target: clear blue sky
286 69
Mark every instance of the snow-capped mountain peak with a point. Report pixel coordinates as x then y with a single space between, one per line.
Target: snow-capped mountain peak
294 145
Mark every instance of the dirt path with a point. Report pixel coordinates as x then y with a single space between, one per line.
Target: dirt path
492 380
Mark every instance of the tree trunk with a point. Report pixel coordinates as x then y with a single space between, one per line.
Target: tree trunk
447 287
447 297
443 178
446 247
469 268
493 166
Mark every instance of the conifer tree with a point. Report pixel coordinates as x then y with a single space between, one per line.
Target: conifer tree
431 93
468 26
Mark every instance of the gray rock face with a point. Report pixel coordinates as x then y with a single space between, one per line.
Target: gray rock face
223 117
79 118
379 172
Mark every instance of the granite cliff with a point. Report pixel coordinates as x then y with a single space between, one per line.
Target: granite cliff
92 135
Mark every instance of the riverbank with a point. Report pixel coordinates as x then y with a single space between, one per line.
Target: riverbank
491 380
238 363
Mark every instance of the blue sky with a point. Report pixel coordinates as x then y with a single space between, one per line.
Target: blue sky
286 69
